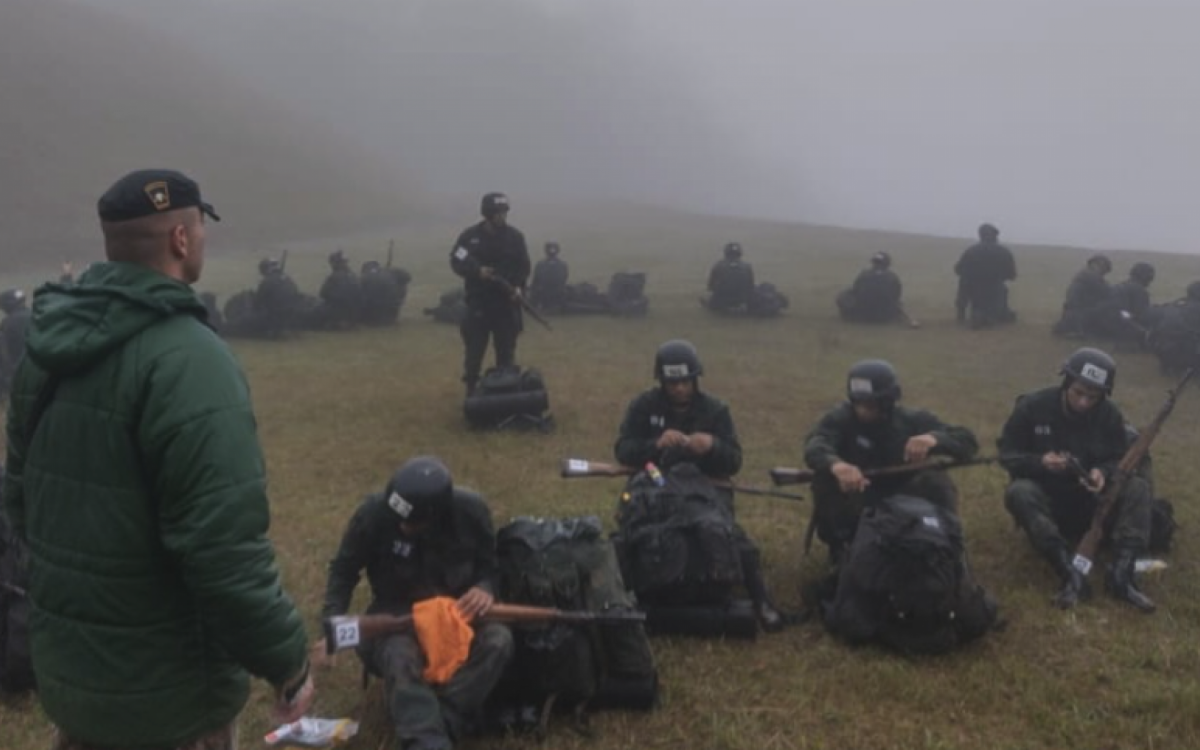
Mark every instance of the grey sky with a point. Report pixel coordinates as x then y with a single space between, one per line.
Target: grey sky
1070 121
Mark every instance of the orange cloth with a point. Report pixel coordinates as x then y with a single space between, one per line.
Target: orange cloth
444 635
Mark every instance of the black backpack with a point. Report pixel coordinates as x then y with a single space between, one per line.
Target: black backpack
569 564
16 664
509 397
905 582
678 543
767 301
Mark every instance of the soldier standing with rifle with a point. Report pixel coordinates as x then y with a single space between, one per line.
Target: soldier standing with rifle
871 431
1062 447
422 538
493 260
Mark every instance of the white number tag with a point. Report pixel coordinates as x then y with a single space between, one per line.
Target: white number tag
578 466
345 632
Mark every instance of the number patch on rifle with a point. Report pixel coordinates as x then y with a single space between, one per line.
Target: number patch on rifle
345 632
578 466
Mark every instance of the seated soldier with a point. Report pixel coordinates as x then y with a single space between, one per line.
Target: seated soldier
984 270
420 538
871 431
875 295
676 423
1061 446
341 297
276 301
1175 332
1087 297
1127 314
730 282
548 289
381 295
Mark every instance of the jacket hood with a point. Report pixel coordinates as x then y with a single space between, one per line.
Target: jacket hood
75 325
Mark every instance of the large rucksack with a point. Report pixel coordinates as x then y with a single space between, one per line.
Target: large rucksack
16 664
905 582
767 301
509 397
569 564
678 543
627 293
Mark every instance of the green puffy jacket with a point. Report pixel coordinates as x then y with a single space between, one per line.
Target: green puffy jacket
142 497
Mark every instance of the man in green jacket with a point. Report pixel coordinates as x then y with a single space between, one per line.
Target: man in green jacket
136 478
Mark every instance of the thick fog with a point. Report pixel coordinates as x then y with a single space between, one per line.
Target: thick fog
1070 121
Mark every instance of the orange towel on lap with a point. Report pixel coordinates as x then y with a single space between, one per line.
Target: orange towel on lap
444 635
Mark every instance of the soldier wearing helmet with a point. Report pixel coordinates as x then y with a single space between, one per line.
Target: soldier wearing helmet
984 270
382 294
422 537
493 261
673 423
730 282
13 329
875 295
341 296
548 290
1174 334
871 430
1061 446
1128 315
1087 301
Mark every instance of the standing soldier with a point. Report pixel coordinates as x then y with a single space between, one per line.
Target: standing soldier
548 291
1061 446
984 271
492 259
421 538
871 431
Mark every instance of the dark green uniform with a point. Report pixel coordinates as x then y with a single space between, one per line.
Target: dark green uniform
650 415
1083 310
451 557
840 436
1052 507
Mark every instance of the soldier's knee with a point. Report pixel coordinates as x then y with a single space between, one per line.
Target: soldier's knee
1021 496
496 639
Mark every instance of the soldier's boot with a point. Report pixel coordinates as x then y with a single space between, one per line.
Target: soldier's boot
1074 584
470 387
1122 581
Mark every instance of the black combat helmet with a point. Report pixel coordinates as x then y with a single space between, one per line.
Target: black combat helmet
492 204
267 265
337 260
988 231
1142 273
881 260
1092 366
1193 291
371 266
11 299
1100 261
552 249
733 251
873 380
677 360
420 490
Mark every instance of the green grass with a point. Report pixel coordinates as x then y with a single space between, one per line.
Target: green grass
337 413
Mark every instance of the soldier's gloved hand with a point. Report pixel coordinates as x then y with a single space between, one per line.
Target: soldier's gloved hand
850 477
1094 481
671 439
1055 461
917 448
699 443
475 603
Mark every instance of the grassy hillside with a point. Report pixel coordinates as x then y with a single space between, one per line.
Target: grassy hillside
338 413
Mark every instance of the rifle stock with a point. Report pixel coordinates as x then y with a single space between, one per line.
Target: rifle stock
348 631
574 468
1085 553
783 475
520 299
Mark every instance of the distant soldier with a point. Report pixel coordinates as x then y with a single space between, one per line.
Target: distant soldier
875 295
1127 315
276 301
548 289
1175 333
493 261
381 297
1087 299
870 430
451 307
730 282
12 334
984 271
1061 446
341 296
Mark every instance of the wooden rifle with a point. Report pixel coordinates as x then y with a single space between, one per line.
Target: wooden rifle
520 299
348 631
782 475
574 468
